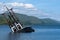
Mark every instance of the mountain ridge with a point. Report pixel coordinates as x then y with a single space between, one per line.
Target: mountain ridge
31 20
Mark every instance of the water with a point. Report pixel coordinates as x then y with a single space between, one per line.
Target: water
39 34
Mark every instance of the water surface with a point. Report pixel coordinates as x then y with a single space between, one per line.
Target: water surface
39 34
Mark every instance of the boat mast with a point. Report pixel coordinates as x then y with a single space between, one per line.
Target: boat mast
14 18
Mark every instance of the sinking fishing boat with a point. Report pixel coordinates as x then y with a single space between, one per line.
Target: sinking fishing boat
14 22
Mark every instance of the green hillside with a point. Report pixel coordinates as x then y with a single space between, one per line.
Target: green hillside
31 20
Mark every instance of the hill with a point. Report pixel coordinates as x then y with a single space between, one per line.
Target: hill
31 20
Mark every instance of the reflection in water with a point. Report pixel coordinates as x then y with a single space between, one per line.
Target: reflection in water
13 36
6 34
39 34
18 36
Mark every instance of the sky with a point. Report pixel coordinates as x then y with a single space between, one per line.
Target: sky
38 8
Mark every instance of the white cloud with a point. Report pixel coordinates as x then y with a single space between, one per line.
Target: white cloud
29 5
21 4
24 5
16 4
28 9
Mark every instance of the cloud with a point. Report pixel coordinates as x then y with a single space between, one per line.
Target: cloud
24 8
24 5
29 6
16 4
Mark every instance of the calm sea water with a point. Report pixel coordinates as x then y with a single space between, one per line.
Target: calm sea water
39 34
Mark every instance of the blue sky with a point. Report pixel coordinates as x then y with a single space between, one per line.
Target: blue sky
45 8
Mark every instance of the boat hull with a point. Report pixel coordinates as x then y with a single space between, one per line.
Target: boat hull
26 30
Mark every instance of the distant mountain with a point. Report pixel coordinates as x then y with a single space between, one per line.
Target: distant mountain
31 20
